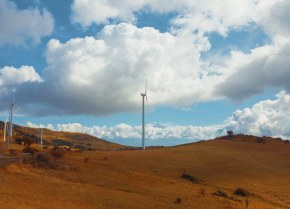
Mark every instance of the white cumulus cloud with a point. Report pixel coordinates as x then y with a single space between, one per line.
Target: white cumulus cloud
32 125
19 26
269 117
11 78
107 73
244 73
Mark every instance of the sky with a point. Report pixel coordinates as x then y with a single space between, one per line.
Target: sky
211 66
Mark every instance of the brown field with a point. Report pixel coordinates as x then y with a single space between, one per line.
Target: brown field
133 179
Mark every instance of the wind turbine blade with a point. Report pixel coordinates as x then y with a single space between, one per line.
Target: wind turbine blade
146 87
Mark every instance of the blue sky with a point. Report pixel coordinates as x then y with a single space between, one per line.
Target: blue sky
211 66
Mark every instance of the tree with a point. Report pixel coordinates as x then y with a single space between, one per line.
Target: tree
230 133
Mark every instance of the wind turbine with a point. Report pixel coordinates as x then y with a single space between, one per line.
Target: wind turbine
5 128
10 123
144 95
41 136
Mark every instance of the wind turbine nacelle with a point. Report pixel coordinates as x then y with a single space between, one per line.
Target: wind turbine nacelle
143 95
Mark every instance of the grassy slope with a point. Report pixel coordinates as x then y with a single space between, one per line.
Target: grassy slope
151 178
67 137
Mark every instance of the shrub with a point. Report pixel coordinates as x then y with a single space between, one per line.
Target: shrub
80 147
220 193
57 153
178 200
261 140
287 141
30 150
241 192
230 133
189 178
27 141
18 141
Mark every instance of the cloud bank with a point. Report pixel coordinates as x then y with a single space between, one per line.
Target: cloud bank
153 131
266 118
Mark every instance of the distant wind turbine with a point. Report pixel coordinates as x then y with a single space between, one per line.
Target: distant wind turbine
41 136
144 95
5 128
10 123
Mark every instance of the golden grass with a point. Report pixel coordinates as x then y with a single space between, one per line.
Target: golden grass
72 138
152 178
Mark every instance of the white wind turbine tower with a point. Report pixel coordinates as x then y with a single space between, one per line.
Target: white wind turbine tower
5 128
41 136
10 123
144 95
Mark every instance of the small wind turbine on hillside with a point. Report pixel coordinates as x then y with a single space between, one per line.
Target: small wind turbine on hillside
10 123
144 95
5 129
41 136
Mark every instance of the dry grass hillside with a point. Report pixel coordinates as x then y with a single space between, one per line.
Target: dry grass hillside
203 175
63 138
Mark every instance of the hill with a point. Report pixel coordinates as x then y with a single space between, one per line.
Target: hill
201 175
59 138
